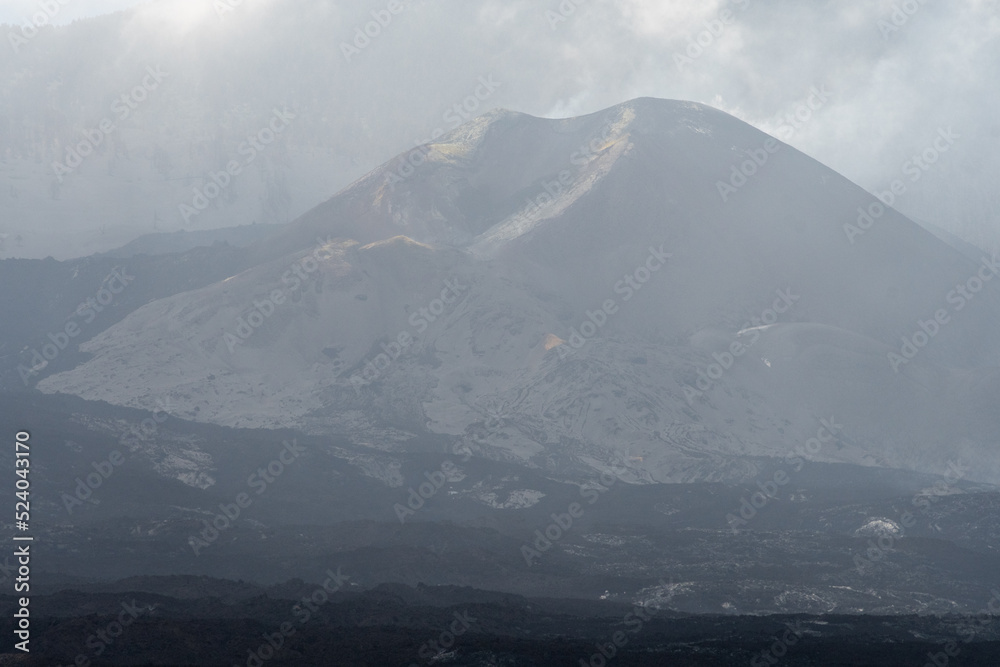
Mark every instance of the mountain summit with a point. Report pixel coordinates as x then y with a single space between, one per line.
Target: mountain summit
657 289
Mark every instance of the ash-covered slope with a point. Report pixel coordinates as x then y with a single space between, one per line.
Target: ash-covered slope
596 291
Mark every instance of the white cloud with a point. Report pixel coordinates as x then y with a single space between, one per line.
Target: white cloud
890 92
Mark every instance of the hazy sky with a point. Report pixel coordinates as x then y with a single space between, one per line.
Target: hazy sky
893 73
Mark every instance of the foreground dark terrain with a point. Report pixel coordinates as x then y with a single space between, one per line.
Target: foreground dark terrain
356 586
196 621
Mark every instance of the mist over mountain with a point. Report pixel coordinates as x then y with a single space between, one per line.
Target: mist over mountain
225 70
